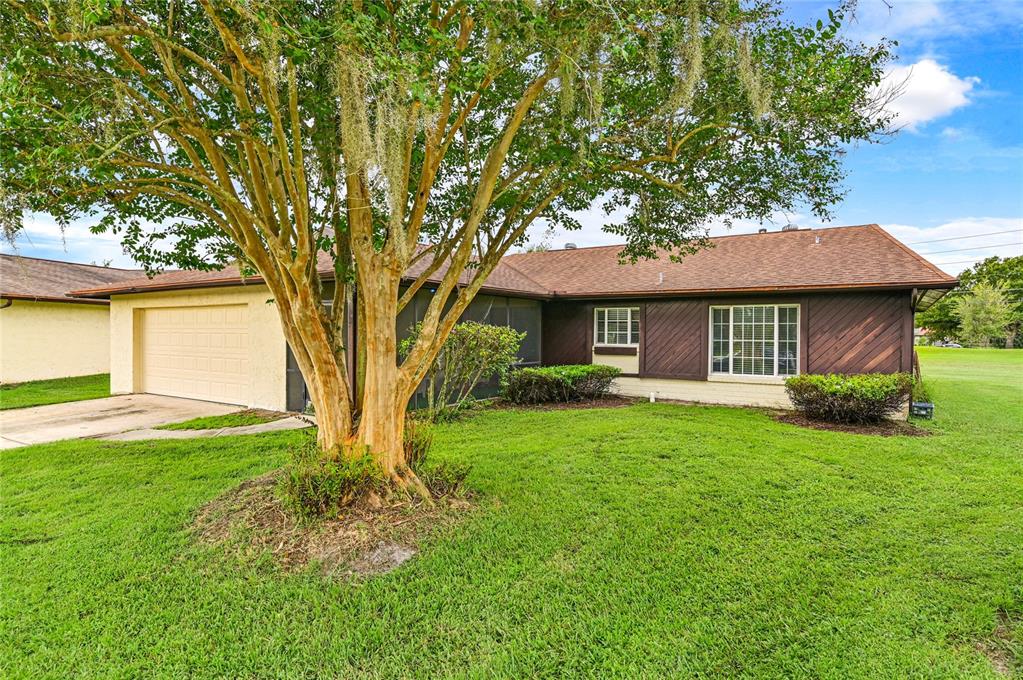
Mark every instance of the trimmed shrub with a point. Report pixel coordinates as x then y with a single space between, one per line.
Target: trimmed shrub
559 383
858 399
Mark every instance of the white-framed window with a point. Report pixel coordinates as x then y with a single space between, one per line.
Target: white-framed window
616 326
760 340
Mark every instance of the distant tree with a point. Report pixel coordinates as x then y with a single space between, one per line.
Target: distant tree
1007 273
983 314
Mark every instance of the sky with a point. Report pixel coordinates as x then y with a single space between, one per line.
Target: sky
950 183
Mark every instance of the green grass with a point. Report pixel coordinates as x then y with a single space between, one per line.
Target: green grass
239 419
655 540
57 391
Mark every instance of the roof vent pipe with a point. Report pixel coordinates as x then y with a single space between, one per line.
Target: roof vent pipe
762 230
570 246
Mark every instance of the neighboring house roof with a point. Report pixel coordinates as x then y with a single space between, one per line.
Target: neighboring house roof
31 278
818 259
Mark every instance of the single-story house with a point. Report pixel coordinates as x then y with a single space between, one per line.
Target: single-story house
725 325
44 332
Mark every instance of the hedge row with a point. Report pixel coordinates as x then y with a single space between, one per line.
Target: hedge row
558 383
838 398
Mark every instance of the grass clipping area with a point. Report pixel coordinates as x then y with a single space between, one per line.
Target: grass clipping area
371 536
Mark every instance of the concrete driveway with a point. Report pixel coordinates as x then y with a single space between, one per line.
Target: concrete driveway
99 417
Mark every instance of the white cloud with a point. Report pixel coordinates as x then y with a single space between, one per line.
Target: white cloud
918 22
929 90
875 20
987 236
43 237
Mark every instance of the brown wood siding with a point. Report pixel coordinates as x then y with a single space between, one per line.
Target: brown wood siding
673 339
858 333
567 329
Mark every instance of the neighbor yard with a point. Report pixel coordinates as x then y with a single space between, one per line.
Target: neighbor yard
56 391
650 540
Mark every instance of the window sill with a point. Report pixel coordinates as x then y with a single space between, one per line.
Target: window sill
749 379
620 350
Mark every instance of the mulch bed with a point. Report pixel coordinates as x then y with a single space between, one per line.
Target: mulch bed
611 401
371 537
888 428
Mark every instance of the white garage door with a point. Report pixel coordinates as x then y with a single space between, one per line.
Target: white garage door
196 352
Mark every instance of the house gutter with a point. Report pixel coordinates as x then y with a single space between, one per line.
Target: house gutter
9 299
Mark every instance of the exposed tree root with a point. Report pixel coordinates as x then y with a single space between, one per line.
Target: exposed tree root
404 478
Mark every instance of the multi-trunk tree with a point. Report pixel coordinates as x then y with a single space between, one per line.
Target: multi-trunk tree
386 133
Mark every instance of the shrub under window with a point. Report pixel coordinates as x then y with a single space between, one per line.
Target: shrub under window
838 398
559 383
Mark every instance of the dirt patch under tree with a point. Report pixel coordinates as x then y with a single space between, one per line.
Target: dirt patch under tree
372 536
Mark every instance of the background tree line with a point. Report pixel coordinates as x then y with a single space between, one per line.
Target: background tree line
985 310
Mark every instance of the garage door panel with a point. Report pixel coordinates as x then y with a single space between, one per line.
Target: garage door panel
196 352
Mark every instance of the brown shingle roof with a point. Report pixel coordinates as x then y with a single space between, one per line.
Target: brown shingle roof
805 259
30 278
840 257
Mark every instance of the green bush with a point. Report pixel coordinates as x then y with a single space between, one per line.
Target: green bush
418 439
838 398
313 486
558 383
473 352
920 391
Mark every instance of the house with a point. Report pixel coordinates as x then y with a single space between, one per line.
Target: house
46 333
725 325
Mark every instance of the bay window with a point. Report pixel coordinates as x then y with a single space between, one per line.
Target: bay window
759 340
616 326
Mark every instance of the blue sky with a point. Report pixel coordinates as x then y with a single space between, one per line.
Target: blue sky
955 169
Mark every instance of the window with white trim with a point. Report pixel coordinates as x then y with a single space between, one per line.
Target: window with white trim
755 340
616 326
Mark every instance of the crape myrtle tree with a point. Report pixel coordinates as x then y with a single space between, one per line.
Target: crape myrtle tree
384 133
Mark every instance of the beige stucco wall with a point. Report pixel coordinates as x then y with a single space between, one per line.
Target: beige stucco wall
42 340
627 364
713 391
267 346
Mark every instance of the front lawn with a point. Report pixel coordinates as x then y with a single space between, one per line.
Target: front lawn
57 391
649 541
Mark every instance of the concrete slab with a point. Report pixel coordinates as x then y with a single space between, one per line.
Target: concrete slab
99 417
